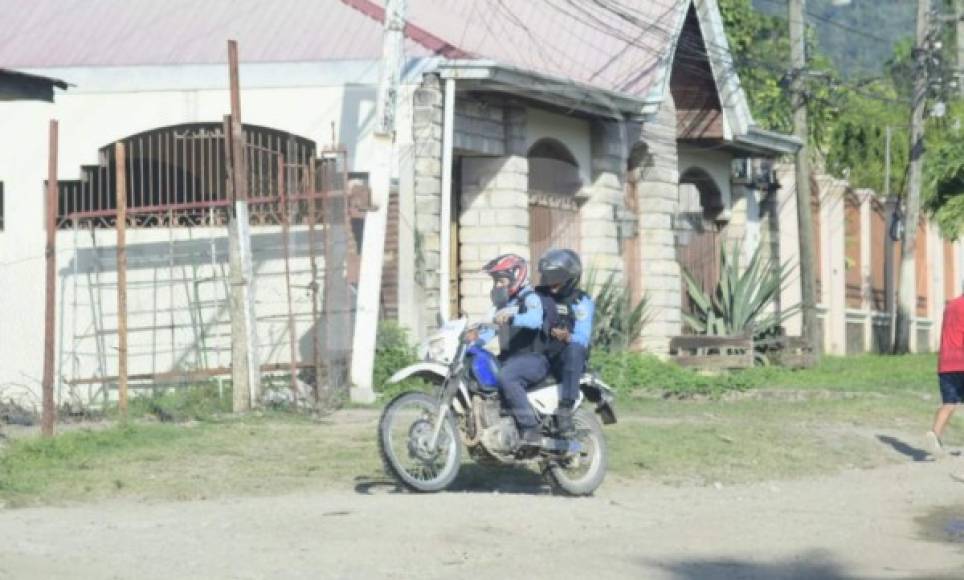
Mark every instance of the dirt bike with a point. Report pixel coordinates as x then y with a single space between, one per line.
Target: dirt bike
421 436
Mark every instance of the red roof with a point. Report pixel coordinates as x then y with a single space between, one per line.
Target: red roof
612 49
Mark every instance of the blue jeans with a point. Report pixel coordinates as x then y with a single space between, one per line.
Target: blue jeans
518 372
568 366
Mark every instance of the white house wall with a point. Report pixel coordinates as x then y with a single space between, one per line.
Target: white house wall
106 106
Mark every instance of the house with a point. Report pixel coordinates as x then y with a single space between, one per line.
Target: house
617 130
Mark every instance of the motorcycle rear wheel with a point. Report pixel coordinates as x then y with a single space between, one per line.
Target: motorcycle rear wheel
584 473
404 431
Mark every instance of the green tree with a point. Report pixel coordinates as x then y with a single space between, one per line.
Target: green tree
760 46
944 170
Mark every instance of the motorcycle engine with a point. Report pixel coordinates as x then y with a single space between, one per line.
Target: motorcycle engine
499 433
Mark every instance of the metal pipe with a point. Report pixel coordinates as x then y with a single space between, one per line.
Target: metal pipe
445 227
285 241
120 158
313 286
47 419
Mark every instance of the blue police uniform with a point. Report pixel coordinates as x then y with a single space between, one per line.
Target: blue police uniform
578 315
522 354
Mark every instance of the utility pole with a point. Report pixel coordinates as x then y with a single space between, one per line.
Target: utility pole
245 369
907 290
798 63
959 14
376 221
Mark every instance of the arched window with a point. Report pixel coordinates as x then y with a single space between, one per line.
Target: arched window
553 209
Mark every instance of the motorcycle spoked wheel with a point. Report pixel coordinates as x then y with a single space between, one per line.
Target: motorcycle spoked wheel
404 433
583 473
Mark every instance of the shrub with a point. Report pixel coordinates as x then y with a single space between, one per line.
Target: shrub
739 302
393 351
617 321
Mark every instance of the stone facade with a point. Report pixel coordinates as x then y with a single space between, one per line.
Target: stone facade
494 217
657 189
427 127
606 199
479 126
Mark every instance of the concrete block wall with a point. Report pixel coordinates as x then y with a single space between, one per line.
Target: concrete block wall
494 220
606 198
480 126
427 129
658 197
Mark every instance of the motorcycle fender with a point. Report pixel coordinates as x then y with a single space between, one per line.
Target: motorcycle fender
434 373
429 371
546 400
602 394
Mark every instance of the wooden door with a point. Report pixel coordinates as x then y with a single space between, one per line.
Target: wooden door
700 256
553 223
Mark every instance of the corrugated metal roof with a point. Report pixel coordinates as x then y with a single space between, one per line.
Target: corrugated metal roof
609 44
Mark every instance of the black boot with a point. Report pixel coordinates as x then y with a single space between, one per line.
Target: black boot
564 424
530 441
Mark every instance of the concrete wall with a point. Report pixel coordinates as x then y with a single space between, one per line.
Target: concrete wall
843 325
572 132
716 163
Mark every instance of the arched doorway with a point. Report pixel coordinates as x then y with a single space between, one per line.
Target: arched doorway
553 209
699 236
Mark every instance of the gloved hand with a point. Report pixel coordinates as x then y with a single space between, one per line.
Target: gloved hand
561 334
504 316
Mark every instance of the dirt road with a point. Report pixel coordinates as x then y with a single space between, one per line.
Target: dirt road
859 524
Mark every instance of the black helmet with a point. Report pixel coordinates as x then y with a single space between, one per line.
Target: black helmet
560 267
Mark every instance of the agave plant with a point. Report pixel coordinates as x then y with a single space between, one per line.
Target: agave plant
617 321
738 305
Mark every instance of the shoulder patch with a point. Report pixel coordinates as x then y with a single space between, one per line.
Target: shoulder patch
581 312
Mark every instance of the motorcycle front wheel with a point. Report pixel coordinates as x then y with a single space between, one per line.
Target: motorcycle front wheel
404 434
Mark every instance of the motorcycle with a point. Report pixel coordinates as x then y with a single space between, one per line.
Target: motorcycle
421 436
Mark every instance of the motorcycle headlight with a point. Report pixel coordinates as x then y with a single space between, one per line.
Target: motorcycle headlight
436 349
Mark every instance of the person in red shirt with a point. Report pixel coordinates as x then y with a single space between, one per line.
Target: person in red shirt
950 370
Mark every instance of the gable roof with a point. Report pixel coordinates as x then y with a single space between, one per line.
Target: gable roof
621 50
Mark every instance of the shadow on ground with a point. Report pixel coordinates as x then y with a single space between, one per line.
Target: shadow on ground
806 566
472 478
910 451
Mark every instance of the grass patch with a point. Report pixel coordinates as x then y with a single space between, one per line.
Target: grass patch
197 402
273 453
817 421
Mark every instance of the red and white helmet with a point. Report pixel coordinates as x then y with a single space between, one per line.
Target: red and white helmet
513 267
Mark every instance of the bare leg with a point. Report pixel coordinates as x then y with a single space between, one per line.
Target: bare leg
941 418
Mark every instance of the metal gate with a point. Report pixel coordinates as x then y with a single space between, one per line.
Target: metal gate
178 198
